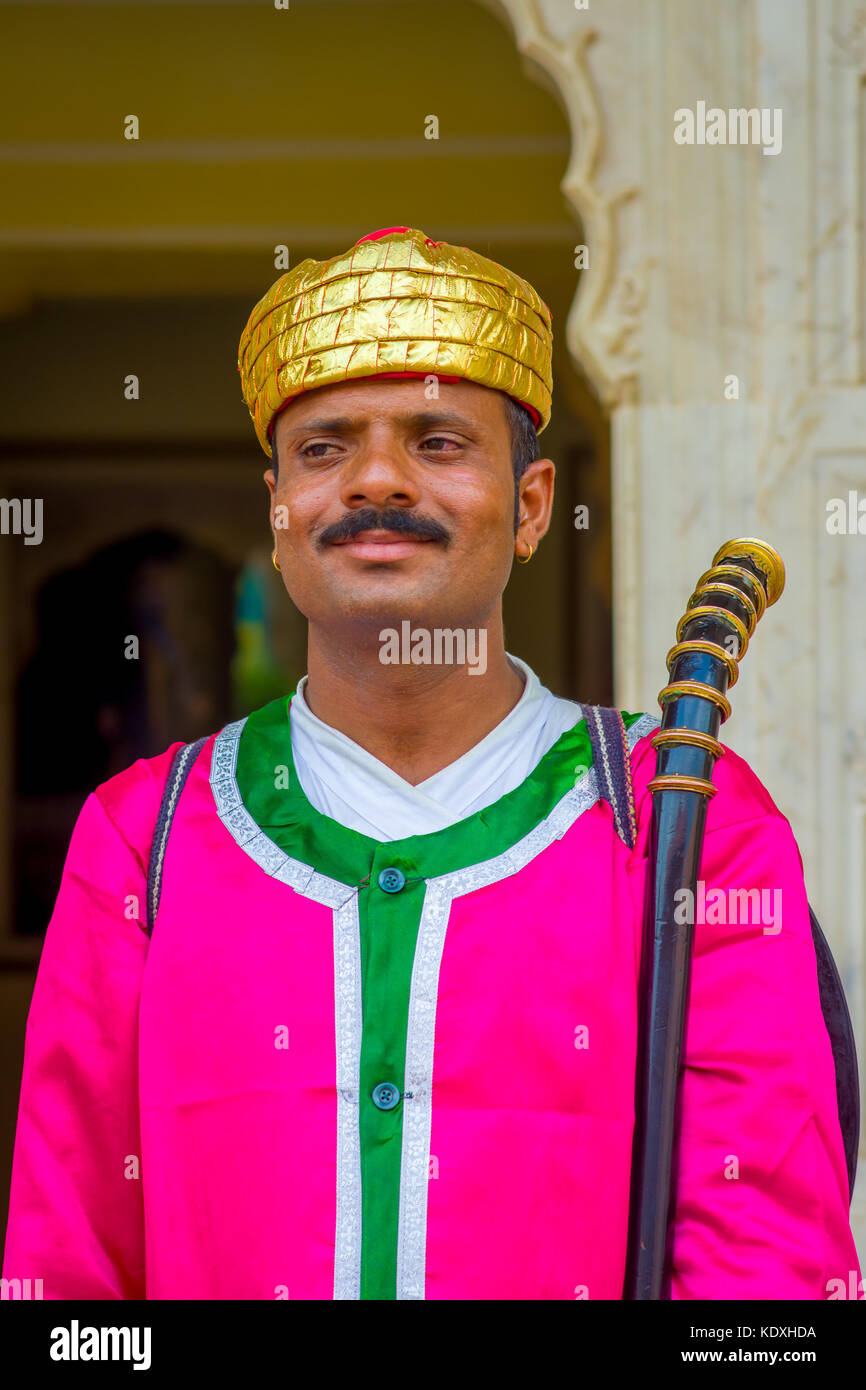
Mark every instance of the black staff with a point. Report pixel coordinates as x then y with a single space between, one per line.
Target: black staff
747 575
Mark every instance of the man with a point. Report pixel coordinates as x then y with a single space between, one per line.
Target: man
381 1043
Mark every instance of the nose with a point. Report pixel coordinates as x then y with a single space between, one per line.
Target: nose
380 474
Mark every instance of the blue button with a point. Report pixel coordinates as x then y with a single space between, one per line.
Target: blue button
386 1095
391 880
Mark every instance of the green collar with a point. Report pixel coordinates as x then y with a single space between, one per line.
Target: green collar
272 794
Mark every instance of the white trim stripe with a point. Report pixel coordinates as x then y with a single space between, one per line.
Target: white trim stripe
348 1025
348 1014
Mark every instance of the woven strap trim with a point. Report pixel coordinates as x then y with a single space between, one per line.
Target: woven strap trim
612 767
180 770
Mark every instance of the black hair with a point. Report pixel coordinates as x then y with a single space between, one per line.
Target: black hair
524 445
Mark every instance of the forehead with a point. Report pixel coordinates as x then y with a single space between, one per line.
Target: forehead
391 398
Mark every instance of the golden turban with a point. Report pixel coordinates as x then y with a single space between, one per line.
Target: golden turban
396 304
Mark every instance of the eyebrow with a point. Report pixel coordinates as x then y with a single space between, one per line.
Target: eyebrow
343 424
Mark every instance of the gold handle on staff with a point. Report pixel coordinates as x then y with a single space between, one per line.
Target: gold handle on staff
730 598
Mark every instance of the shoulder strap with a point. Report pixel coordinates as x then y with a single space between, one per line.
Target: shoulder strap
834 1007
180 768
610 759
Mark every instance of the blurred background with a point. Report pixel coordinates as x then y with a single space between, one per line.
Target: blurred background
301 124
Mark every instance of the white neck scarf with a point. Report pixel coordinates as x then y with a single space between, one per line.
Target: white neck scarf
343 781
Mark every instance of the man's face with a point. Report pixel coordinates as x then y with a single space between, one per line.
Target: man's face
356 456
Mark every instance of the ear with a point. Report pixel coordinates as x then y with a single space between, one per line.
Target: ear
535 499
271 482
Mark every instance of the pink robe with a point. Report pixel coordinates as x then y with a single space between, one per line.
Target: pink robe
189 1112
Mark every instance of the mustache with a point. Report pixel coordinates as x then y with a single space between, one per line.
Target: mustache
392 519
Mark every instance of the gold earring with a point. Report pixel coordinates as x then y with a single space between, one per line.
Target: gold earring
276 562
525 559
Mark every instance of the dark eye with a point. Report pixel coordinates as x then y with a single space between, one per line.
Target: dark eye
437 439
310 447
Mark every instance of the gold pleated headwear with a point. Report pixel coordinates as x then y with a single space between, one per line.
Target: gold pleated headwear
396 304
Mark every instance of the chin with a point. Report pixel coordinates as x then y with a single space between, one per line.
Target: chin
390 606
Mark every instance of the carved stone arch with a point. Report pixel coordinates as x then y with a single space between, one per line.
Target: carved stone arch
605 315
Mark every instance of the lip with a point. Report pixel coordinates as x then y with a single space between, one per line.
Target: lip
381 545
